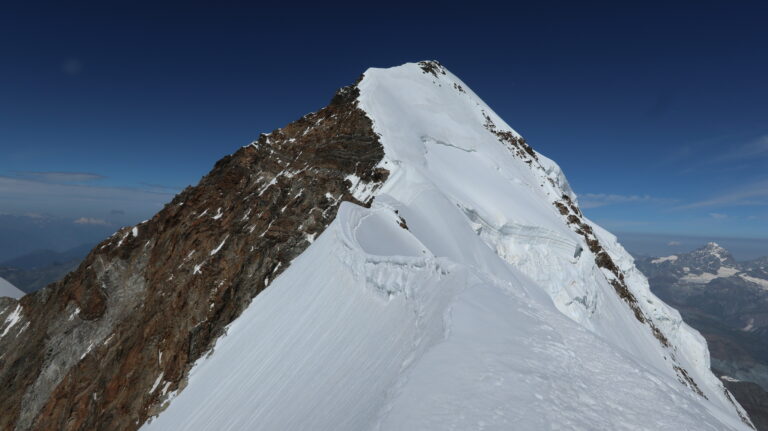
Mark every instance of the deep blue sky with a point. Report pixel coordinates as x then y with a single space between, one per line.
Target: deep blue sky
657 113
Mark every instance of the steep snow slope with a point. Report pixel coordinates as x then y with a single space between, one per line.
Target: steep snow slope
462 299
9 290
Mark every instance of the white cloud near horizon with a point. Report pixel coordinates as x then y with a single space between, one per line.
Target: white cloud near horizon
91 220
596 200
750 194
73 201
752 149
621 224
723 152
60 177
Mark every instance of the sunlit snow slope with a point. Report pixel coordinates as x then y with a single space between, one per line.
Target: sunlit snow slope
461 299
7 289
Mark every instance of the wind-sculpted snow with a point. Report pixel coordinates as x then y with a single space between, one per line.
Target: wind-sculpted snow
472 294
336 340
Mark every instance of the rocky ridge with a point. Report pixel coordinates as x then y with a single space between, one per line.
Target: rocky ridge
107 346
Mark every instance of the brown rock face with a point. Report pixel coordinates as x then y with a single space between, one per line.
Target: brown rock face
104 348
753 398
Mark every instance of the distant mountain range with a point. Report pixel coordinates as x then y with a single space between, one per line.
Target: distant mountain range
23 235
36 270
727 301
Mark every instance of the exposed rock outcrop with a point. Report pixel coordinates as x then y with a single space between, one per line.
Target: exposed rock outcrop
104 348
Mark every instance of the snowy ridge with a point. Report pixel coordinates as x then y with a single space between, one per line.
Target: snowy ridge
460 300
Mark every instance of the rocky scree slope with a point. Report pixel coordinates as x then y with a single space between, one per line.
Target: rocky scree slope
84 353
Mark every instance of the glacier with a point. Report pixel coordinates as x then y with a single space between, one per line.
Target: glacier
461 299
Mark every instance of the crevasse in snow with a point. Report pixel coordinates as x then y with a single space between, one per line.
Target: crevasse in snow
487 312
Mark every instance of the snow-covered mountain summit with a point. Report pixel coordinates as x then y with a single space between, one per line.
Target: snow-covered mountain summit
708 263
415 266
712 251
472 294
